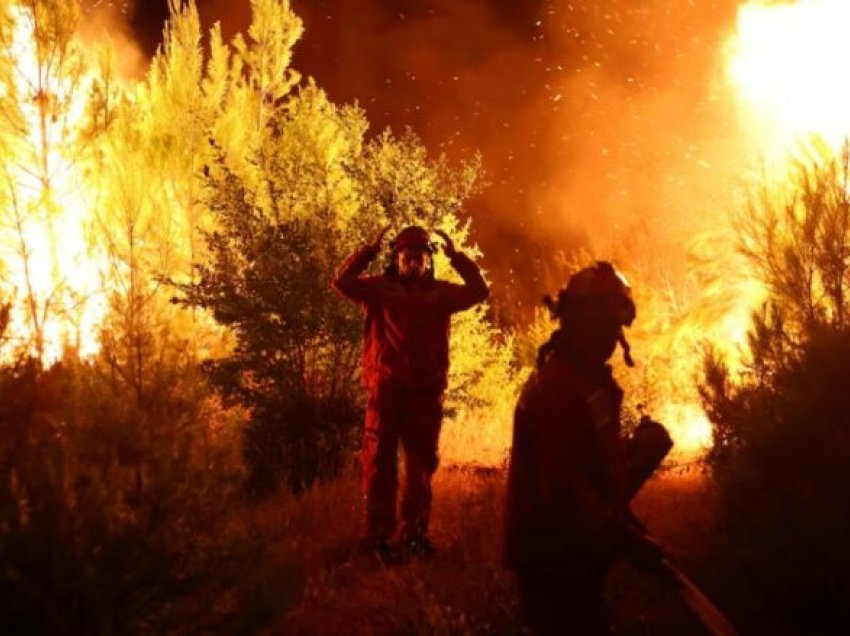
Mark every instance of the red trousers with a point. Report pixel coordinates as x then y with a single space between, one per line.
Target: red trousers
396 415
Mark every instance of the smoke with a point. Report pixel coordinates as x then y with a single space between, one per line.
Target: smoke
650 151
100 19
603 125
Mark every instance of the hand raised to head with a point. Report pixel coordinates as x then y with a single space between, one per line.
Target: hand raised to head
377 242
448 244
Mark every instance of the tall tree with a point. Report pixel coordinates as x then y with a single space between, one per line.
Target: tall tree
42 155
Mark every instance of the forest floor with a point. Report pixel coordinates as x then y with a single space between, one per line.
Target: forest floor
464 589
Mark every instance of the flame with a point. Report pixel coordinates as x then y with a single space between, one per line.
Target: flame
784 62
787 65
689 427
50 267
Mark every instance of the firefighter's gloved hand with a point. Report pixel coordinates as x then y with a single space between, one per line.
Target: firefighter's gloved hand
632 520
448 244
377 243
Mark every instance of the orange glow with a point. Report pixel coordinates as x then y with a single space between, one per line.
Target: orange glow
787 63
689 427
49 267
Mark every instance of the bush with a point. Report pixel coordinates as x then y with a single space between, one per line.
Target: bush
117 517
315 192
294 361
782 437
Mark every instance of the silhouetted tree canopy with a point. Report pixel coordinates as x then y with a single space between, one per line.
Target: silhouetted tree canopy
782 436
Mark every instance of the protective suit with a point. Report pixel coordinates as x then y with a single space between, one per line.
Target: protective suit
405 364
567 514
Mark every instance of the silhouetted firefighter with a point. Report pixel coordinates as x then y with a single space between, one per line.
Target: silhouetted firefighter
572 474
567 500
405 367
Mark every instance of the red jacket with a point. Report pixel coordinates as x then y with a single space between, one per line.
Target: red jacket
567 471
407 323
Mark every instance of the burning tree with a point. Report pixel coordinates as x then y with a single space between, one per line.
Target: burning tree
782 450
120 493
43 197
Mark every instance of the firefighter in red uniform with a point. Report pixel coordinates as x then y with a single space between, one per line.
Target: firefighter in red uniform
567 515
404 368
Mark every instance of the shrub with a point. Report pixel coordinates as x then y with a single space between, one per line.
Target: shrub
782 437
118 517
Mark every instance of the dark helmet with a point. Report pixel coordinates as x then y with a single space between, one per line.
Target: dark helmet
602 282
412 236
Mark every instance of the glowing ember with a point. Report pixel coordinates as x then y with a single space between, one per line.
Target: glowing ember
787 62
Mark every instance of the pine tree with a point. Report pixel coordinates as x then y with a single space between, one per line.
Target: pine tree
781 451
42 155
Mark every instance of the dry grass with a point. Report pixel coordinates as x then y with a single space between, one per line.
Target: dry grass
463 589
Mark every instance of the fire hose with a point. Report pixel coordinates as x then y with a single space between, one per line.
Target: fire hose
698 603
646 449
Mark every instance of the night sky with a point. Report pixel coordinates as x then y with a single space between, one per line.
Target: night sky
591 116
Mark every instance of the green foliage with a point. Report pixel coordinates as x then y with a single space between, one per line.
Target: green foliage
276 243
294 357
290 188
315 191
782 449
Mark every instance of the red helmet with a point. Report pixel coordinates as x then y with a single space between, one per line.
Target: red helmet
600 281
412 236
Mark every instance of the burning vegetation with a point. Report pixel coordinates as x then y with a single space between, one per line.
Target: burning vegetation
171 353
